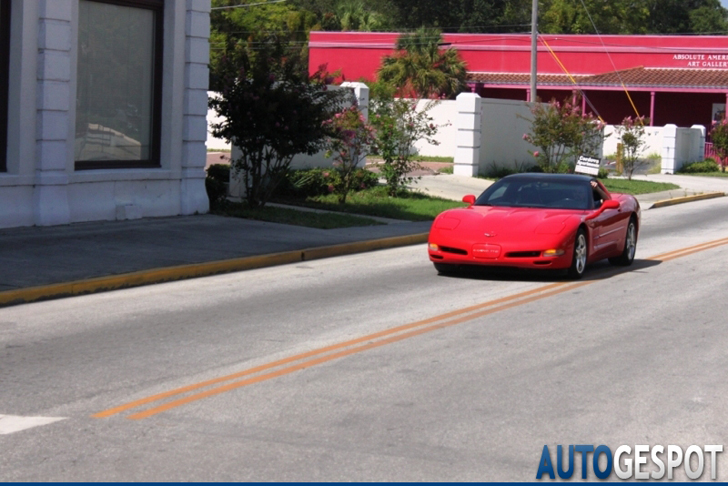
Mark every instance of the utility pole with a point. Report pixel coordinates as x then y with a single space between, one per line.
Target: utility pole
534 46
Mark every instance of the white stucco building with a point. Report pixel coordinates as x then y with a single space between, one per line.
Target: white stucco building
103 108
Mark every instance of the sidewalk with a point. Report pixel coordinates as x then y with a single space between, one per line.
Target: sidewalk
45 262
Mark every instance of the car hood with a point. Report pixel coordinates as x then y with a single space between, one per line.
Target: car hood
498 222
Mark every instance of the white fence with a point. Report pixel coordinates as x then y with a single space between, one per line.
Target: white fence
652 138
490 135
483 135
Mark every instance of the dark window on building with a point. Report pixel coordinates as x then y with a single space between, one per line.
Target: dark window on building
4 68
119 83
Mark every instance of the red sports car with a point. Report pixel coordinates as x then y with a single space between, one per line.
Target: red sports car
538 221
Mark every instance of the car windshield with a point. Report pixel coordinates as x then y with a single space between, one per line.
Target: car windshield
529 193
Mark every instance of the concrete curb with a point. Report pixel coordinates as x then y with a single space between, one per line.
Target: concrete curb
182 272
680 200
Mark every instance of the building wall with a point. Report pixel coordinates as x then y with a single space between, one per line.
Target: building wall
41 185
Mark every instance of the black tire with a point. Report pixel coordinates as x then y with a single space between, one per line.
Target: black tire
445 268
630 246
580 256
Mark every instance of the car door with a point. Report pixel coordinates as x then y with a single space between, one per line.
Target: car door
609 230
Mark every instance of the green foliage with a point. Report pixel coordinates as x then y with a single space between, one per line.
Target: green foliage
419 68
220 172
410 206
398 126
271 111
631 133
612 17
216 183
563 133
301 184
719 137
239 26
707 165
636 187
351 140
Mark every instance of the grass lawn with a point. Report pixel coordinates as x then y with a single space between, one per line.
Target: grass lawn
298 218
410 206
635 187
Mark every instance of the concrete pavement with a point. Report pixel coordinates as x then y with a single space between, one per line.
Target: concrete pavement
46 262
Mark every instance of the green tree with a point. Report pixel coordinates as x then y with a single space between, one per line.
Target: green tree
420 68
399 125
562 133
272 111
354 15
256 24
631 134
612 17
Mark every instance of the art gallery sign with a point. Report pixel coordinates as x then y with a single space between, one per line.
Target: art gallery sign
709 61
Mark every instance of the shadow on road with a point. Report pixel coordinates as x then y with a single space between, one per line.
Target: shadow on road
597 271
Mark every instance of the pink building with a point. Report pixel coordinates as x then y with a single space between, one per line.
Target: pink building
671 79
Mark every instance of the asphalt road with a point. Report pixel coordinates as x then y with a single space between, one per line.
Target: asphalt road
373 367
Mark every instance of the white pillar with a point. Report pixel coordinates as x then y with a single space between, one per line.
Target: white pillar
469 126
700 149
50 197
669 145
361 91
193 195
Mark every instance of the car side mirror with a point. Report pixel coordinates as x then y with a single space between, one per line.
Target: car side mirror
608 204
470 199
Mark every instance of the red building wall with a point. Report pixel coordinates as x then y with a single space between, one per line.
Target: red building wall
358 55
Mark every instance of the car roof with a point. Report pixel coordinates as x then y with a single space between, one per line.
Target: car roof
540 176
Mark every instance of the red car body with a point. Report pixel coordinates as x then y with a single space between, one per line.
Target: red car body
533 221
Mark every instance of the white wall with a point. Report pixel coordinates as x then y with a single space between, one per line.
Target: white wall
444 114
653 140
41 185
214 143
680 146
504 122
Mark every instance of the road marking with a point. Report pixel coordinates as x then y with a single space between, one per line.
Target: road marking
15 423
322 355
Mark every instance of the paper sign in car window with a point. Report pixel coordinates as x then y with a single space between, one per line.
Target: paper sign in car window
587 165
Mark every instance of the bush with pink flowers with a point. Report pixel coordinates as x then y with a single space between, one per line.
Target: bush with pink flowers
719 137
350 141
562 133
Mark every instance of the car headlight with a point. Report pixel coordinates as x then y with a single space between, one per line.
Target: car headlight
447 223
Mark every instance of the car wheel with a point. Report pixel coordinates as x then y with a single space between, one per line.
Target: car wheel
581 252
445 268
630 246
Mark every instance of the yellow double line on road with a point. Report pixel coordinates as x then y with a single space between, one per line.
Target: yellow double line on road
274 369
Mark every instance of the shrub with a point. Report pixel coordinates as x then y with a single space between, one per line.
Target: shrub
631 133
707 165
351 141
305 183
719 136
563 133
398 127
216 183
271 110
